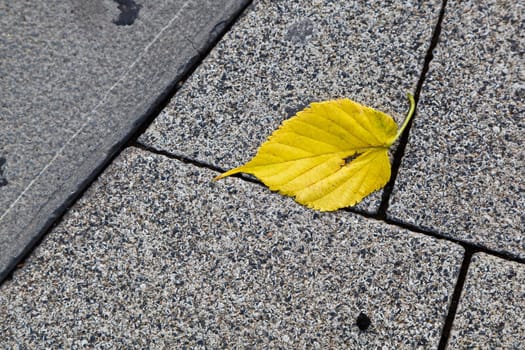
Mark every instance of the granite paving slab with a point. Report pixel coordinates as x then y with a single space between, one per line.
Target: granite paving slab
282 55
77 78
491 312
156 255
463 173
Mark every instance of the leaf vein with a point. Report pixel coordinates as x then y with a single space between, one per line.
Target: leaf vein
370 133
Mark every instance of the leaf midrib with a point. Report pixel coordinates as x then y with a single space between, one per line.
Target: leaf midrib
346 154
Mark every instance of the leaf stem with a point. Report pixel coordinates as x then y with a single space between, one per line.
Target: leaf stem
407 119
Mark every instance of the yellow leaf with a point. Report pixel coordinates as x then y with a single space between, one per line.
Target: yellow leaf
328 156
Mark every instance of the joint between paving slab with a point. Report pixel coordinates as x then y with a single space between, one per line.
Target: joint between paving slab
398 223
173 156
400 150
194 162
409 227
466 245
458 289
403 225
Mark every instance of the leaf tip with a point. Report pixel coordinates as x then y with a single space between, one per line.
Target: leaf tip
229 173
217 178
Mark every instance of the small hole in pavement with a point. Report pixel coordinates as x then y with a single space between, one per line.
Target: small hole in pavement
363 322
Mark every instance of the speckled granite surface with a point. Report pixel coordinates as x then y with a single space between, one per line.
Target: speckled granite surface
491 309
283 55
463 173
157 255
